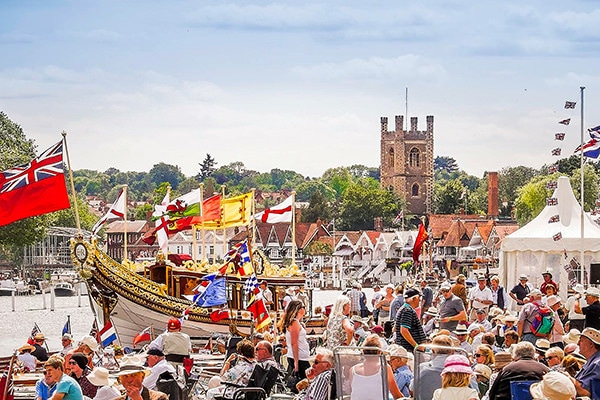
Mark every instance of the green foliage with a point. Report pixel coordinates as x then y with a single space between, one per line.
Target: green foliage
318 209
207 167
531 198
317 248
365 200
66 218
162 172
445 163
590 185
448 198
306 189
338 179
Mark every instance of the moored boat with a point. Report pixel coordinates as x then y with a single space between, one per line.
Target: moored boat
133 301
63 289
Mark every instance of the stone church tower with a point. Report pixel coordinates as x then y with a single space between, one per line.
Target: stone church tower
407 163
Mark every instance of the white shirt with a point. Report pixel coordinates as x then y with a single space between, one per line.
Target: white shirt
482 294
159 368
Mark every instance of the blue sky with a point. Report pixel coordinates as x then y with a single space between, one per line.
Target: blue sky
297 85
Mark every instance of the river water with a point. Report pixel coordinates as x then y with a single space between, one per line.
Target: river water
19 314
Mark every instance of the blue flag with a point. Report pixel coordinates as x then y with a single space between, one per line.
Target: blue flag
215 294
67 327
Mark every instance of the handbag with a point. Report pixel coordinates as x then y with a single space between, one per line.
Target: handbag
291 381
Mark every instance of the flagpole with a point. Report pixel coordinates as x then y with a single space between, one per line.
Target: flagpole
293 227
581 192
64 135
224 229
194 240
125 224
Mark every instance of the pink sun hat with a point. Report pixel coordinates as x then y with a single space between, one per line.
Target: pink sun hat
457 363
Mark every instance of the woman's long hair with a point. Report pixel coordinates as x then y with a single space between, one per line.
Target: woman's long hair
338 307
291 312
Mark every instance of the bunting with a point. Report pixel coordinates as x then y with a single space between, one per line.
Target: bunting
565 121
559 136
570 104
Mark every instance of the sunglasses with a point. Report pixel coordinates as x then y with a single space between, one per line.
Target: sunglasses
478 355
319 362
72 363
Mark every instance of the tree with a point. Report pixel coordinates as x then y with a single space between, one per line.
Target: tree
365 200
339 179
162 172
207 167
66 217
532 198
510 179
18 150
306 189
445 163
318 209
449 198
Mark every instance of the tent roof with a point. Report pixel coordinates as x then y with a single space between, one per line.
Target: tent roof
537 234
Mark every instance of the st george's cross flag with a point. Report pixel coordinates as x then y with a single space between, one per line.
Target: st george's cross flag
282 212
116 211
35 188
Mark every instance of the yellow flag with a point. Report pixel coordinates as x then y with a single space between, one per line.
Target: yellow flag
235 211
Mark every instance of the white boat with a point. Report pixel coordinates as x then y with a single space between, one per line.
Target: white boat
7 287
63 289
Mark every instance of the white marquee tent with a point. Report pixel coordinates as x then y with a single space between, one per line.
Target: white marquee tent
531 250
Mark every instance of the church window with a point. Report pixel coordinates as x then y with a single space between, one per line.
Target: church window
414 158
415 190
391 157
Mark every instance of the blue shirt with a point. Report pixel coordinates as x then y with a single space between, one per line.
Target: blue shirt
43 391
403 376
589 371
70 388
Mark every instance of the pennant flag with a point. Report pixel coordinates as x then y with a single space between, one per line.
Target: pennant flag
279 213
94 330
261 315
67 327
594 132
552 201
559 136
556 151
219 315
215 294
551 185
552 169
565 121
116 211
251 285
591 149
398 218
143 336
557 237
419 240
35 188
34 331
235 211
554 218
570 104
107 334
162 233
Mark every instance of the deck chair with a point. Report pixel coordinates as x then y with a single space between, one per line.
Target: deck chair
259 386
349 384
429 362
519 390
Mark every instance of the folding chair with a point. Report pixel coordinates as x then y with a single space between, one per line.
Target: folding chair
259 386
349 384
519 390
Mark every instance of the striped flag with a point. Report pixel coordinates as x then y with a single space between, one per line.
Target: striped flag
143 336
108 334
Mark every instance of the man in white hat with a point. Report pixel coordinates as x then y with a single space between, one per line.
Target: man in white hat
589 347
398 360
131 375
558 330
100 377
480 298
576 320
592 311
67 343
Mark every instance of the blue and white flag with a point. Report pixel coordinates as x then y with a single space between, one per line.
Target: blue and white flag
67 327
214 294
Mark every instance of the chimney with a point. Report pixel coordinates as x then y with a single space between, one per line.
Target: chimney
493 205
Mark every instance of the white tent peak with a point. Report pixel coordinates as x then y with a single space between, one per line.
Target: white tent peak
569 226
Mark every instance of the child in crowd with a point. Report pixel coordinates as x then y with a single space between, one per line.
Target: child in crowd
456 376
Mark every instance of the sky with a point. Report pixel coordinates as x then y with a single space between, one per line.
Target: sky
298 85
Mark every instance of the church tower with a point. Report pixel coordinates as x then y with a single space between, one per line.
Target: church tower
407 163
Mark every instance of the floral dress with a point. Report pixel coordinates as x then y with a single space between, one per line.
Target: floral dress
336 334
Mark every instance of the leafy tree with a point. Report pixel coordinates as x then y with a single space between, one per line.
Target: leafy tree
590 185
532 198
318 209
445 163
510 179
186 186
339 179
306 189
365 200
18 150
66 217
207 167
162 172
449 198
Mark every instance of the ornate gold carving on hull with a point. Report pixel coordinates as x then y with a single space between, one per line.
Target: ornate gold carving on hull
105 273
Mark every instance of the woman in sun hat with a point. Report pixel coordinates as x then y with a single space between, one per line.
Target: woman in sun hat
554 386
25 356
99 377
456 377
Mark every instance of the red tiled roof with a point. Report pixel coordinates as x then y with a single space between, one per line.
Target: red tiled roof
457 235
